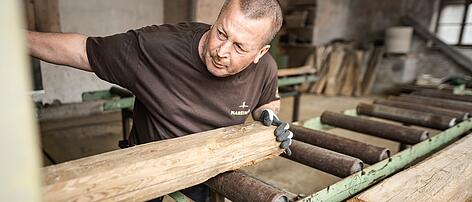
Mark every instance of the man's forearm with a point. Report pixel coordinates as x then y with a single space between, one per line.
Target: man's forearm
59 48
274 106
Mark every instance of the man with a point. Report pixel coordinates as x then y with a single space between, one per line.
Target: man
189 77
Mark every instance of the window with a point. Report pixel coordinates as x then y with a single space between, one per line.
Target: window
455 22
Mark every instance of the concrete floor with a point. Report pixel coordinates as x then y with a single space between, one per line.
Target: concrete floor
75 138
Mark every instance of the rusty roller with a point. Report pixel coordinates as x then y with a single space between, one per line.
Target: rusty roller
445 100
389 131
406 116
444 95
239 186
366 152
323 159
459 115
432 102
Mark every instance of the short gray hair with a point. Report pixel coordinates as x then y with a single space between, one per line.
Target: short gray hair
257 9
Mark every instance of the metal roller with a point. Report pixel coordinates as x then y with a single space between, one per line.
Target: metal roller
239 186
389 131
323 159
443 95
459 115
406 116
448 104
366 152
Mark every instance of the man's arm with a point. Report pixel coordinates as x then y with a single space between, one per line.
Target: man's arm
59 48
274 106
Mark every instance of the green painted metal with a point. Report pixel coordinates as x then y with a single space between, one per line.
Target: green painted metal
357 182
462 90
350 112
178 196
96 95
122 103
287 81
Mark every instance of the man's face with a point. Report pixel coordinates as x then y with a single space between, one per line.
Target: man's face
234 42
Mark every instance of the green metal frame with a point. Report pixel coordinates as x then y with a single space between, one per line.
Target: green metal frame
357 182
96 95
117 104
287 81
462 90
178 196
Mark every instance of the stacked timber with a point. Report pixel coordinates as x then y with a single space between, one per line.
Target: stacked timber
344 70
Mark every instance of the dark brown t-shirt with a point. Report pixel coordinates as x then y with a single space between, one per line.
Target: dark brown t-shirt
175 93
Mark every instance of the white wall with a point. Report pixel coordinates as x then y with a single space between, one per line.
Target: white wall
94 18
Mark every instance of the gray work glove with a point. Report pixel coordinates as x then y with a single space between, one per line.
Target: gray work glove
268 118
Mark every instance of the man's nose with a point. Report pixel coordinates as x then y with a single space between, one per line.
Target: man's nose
224 50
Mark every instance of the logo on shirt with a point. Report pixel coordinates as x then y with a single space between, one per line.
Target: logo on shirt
242 111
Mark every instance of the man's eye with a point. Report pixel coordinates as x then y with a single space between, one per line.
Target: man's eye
240 49
221 35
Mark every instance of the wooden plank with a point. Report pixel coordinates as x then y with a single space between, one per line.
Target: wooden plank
29 11
335 65
371 71
446 176
449 51
71 110
295 71
322 59
150 170
349 78
47 15
362 57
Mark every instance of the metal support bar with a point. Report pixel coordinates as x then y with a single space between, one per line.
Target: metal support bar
443 100
296 106
238 186
118 104
126 120
407 116
444 95
296 102
323 159
96 95
287 81
179 197
355 183
366 152
459 115
376 128
431 102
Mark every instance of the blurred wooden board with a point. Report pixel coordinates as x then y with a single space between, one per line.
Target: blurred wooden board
446 176
307 69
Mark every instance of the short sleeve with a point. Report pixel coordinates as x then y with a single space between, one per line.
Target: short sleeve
270 87
114 58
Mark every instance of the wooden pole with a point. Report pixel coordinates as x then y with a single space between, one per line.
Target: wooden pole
19 148
150 170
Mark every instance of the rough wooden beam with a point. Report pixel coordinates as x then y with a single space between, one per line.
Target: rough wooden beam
446 176
47 16
146 171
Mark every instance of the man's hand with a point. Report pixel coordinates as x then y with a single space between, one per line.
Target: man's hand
268 117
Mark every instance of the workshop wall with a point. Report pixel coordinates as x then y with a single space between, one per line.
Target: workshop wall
366 20
94 18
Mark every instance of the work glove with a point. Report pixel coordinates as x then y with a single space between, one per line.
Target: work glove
283 135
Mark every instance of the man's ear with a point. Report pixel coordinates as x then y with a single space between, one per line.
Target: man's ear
261 53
